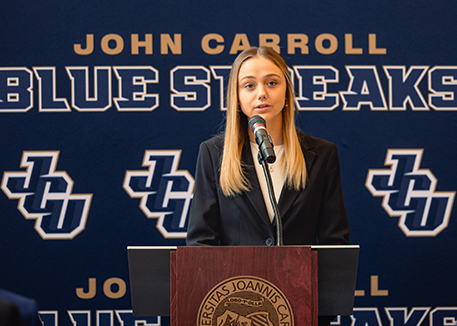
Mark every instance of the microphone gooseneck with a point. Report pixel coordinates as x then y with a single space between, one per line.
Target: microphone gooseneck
267 155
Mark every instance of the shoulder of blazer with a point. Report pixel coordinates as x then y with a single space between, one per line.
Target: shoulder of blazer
313 148
216 142
310 147
214 146
308 143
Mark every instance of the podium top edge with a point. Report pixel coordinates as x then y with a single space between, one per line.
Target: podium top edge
151 247
335 246
312 247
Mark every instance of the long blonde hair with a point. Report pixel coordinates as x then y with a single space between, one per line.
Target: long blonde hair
232 178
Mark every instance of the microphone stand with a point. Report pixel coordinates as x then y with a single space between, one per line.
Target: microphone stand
271 194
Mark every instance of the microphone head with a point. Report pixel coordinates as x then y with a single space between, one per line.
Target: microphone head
256 121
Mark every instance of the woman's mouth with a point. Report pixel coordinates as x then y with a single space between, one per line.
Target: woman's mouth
262 107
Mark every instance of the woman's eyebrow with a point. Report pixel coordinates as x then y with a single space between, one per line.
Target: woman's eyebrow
266 76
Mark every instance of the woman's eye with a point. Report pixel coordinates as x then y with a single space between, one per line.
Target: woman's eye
272 83
248 86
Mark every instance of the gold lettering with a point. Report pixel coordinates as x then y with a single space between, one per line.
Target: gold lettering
234 288
372 49
90 292
119 44
285 312
166 42
120 292
240 43
212 298
147 44
299 41
219 295
348 45
359 293
210 37
375 292
271 40
319 43
243 285
89 46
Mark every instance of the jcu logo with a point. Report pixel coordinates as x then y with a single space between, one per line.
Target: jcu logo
165 191
409 193
46 195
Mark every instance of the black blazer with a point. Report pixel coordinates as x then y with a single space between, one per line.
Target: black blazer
314 215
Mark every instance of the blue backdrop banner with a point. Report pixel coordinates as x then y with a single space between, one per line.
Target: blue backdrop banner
103 106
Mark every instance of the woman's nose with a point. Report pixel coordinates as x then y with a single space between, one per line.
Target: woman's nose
262 94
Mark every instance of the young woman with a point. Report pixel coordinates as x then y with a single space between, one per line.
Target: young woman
230 204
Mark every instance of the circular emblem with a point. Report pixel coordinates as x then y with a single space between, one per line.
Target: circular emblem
245 301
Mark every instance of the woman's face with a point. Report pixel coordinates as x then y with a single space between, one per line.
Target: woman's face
262 90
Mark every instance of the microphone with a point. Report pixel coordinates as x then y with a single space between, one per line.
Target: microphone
258 126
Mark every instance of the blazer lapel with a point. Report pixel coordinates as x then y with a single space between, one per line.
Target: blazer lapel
255 194
288 196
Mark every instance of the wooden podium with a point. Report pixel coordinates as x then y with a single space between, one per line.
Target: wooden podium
277 282
243 286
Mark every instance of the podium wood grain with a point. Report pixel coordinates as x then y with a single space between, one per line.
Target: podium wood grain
293 270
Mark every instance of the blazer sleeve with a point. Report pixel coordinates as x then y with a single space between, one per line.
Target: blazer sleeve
333 225
204 218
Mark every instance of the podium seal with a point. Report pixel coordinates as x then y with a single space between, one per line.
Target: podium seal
245 301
